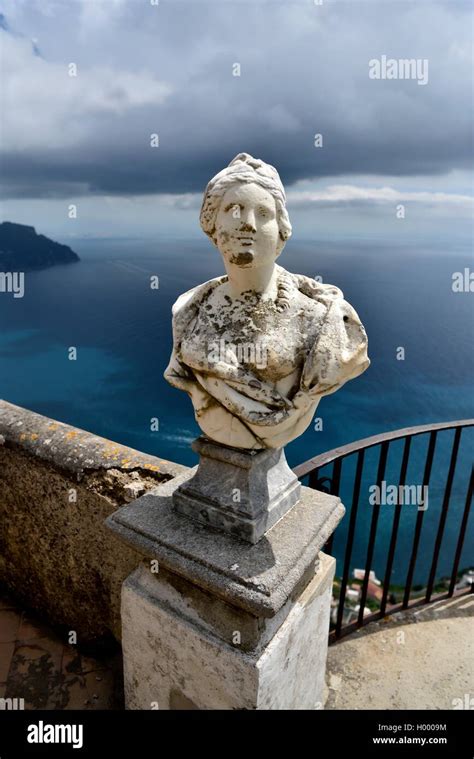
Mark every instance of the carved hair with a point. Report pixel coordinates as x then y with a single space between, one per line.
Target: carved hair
244 168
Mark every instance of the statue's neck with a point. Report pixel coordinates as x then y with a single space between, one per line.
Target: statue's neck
261 279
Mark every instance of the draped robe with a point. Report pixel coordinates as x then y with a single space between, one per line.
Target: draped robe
235 406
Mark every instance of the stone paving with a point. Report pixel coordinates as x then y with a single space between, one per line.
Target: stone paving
418 659
38 666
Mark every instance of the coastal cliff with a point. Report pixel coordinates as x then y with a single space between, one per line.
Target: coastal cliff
22 249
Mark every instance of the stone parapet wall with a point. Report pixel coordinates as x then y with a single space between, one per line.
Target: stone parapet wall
57 486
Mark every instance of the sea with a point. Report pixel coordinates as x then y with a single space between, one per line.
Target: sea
420 335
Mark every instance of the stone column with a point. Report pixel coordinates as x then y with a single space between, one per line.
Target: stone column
212 620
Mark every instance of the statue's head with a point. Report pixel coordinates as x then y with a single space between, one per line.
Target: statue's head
244 212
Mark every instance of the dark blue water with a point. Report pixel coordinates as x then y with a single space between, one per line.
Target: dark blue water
104 307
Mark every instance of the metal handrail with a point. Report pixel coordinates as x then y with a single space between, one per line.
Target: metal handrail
368 442
336 457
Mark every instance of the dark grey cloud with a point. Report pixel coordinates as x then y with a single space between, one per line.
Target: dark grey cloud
304 70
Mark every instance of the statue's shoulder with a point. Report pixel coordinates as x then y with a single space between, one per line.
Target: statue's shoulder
193 298
338 310
312 288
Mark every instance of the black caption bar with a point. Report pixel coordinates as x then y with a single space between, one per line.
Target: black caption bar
370 733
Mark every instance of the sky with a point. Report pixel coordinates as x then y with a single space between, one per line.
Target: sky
86 83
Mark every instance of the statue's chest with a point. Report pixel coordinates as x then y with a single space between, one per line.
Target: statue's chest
257 336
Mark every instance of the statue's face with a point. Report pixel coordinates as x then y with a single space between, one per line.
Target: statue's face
247 231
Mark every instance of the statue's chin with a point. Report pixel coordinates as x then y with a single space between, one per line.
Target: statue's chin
243 258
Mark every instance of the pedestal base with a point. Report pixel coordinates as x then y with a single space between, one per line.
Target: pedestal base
174 657
240 492
212 622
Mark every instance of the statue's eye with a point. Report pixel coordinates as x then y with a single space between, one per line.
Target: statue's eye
234 210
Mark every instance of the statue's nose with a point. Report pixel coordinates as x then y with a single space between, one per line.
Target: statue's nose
248 224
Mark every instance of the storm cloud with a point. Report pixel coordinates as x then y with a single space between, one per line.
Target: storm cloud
168 69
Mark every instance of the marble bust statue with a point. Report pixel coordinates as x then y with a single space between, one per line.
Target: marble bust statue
256 349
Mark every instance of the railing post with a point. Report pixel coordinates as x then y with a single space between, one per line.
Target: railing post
314 469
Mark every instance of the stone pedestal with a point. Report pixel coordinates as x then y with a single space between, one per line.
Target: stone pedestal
241 492
210 621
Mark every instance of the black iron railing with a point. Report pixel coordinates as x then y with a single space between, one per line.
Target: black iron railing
384 601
